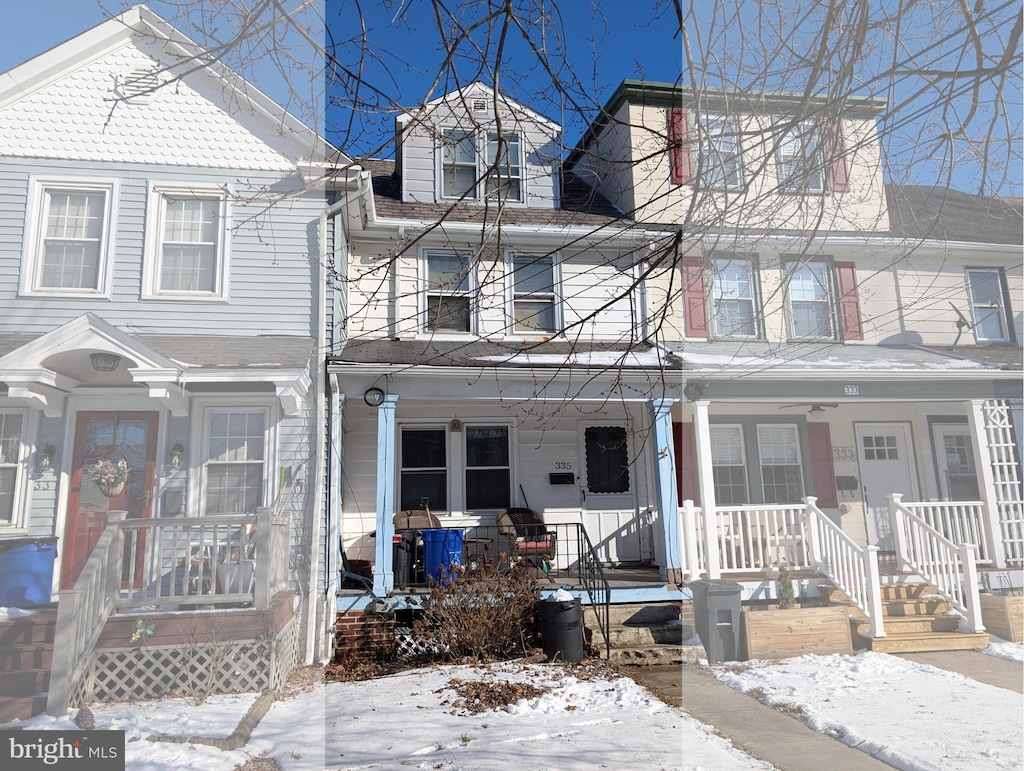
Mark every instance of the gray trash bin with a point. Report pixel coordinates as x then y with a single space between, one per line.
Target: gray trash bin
716 610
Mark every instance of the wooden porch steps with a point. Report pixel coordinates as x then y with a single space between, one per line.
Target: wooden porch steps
916 620
643 634
26 654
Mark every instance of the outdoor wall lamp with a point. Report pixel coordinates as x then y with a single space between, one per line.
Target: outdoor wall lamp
104 362
374 397
174 456
45 459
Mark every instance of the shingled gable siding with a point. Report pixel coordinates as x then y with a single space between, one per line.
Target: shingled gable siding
270 277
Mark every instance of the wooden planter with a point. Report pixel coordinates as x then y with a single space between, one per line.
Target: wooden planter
779 634
1003 616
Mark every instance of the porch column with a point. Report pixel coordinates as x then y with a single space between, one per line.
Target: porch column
706 484
665 492
982 452
383 570
333 474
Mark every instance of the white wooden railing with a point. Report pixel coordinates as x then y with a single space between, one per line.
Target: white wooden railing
948 566
958 521
82 612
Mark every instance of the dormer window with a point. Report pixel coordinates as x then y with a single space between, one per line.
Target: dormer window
500 165
458 164
504 167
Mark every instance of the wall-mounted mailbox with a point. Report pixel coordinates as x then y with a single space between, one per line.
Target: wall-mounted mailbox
847 485
562 478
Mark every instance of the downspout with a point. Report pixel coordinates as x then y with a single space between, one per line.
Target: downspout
324 391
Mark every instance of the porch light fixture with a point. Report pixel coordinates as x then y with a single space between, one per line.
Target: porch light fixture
45 459
455 426
104 362
816 411
174 457
374 397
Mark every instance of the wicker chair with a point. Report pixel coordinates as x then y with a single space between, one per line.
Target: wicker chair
527 537
416 519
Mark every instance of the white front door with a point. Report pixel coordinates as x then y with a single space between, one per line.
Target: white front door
608 493
886 466
954 456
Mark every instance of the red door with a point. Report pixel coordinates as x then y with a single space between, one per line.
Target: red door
110 435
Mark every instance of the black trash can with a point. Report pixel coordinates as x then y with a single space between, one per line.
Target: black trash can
716 610
561 629
403 557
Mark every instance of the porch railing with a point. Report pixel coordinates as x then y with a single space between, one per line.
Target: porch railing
82 612
958 521
948 566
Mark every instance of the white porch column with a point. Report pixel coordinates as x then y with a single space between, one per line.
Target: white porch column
983 456
383 570
332 472
665 492
706 484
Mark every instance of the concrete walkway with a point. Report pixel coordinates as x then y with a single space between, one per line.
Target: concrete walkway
781 739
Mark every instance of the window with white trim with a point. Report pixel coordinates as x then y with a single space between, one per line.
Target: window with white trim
728 465
799 159
458 163
68 237
533 293
187 243
733 298
424 468
11 431
778 448
236 455
986 290
811 301
488 468
503 166
720 156
449 284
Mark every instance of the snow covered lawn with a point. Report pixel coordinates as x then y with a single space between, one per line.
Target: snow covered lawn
909 715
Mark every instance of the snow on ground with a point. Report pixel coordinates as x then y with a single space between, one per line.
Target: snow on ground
1005 650
909 715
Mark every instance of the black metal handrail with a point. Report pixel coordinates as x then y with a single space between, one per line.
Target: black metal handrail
596 586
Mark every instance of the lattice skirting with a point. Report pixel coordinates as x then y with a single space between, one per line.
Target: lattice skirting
197 668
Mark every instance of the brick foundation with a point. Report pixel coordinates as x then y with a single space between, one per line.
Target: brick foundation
364 635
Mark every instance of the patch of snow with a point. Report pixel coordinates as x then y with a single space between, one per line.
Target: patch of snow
584 359
1004 649
8 614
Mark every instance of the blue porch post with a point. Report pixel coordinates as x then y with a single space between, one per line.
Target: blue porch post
665 494
383 570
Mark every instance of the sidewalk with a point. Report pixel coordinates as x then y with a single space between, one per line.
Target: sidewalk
781 739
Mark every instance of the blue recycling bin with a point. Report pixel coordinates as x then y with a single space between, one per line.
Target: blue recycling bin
442 551
26 573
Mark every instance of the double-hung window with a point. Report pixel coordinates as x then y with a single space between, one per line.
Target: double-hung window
733 298
424 471
11 429
68 237
800 159
811 300
987 294
187 243
504 168
533 293
778 448
488 468
728 465
448 292
721 161
235 459
458 163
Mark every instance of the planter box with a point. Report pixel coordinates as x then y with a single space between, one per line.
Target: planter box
1003 616
778 634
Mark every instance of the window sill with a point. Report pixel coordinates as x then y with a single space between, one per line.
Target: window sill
82 294
175 297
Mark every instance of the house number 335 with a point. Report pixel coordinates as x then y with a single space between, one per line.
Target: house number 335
563 465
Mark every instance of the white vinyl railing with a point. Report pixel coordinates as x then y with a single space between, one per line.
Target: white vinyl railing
948 566
756 537
958 521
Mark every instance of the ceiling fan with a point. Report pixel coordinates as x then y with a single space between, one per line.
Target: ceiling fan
817 409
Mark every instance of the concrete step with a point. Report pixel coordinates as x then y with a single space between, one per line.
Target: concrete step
21 708
24 682
919 642
636 613
39 627
652 655
629 635
18 656
913 624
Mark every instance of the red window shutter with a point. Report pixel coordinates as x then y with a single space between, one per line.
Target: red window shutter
849 303
686 462
678 147
823 473
836 148
694 297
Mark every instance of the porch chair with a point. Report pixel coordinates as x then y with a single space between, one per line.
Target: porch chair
527 536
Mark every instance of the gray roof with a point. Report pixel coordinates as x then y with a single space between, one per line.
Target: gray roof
917 211
1008 357
580 204
285 352
477 353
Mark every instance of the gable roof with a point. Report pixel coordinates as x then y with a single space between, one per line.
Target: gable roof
137 24
943 214
481 90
